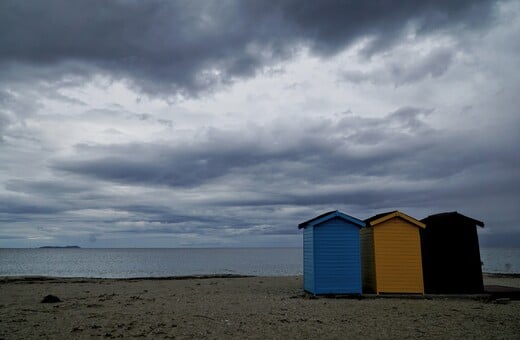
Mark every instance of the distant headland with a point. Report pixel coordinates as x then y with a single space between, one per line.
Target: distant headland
59 247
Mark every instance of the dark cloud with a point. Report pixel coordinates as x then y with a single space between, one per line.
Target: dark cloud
399 147
187 47
360 146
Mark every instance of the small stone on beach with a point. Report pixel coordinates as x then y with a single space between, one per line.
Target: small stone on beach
51 299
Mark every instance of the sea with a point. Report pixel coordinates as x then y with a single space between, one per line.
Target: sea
154 262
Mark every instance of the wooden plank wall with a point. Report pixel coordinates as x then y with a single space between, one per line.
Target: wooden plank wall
398 262
337 258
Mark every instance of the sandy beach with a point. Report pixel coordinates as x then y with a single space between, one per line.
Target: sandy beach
249 307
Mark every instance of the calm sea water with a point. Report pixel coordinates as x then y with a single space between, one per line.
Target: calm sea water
500 260
120 263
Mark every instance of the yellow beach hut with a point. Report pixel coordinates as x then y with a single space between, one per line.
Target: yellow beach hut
391 254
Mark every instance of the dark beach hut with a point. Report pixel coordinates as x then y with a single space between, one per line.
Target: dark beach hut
451 254
331 263
391 254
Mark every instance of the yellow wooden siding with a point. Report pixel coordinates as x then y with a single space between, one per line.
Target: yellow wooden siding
367 260
398 261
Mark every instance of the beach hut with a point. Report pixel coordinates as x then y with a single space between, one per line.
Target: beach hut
391 254
331 257
451 254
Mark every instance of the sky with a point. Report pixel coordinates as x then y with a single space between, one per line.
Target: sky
228 123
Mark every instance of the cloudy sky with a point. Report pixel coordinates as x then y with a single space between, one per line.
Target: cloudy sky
227 123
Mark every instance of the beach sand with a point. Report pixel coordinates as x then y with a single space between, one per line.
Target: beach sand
251 307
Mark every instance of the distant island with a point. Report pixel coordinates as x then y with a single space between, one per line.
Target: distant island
59 247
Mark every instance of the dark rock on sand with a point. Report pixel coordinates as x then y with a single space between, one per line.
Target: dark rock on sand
51 299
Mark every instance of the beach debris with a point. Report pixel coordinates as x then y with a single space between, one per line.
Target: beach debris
205 317
51 299
94 305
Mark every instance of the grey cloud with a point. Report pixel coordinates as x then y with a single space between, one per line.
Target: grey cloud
435 65
356 76
7 118
186 47
368 197
246 179
10 204
500 239
243 180
61 204
84 216
401 72
5 121
47 186
10 237
401 145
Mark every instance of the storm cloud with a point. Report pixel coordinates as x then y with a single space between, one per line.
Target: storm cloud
185 47
227 123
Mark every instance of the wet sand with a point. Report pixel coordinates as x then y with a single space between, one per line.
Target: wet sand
250 307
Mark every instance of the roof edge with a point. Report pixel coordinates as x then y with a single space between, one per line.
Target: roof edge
472 220
396 214
330 215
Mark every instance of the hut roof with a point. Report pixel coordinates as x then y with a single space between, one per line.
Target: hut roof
330 215
379 218
454 215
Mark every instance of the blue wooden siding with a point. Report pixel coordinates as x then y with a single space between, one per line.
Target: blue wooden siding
337 264
308 259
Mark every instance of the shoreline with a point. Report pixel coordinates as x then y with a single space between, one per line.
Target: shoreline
513 275
43 278
12 278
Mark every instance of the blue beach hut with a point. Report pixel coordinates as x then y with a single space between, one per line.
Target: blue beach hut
331 254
